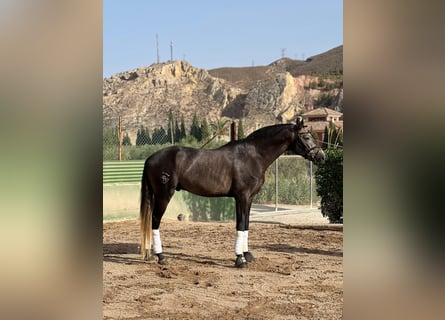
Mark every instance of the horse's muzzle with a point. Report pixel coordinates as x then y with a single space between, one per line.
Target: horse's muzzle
317 156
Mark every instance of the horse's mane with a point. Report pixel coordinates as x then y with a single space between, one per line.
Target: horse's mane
261 135
267 132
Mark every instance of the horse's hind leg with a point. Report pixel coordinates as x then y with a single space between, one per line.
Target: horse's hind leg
160 205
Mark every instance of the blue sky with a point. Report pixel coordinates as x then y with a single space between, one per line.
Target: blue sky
212 34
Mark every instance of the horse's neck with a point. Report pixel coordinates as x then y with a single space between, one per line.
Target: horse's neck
270 149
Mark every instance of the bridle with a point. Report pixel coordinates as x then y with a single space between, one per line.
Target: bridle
305 144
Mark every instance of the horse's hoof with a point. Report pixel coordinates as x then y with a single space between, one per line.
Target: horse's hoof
249 257
240 262
161 258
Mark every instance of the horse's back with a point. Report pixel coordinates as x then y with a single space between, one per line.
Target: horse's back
168 160
167 154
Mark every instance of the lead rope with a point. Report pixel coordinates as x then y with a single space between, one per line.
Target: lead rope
214 136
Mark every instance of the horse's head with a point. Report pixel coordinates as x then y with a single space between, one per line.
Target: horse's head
305 144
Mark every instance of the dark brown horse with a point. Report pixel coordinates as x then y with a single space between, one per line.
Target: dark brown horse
233 170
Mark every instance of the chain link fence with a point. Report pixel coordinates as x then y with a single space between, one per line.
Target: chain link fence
289 180
125 140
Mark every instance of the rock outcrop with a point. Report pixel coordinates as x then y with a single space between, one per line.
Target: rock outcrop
146 95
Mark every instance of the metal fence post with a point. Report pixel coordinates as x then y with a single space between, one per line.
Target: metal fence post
276 184
310 182
171 132
120 138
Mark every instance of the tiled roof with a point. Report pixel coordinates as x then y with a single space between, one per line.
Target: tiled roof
318 126
321 112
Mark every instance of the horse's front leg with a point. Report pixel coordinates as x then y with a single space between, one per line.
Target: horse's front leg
247 254
243 256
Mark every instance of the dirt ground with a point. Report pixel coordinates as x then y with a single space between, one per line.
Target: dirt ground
298 272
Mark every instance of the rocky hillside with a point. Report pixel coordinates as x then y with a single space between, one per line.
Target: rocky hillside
246 77
260 95
145 95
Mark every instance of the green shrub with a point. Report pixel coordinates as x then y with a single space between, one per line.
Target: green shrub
293 185
313 85
329 177
324 100
141 152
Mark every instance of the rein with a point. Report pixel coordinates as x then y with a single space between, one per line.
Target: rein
214 136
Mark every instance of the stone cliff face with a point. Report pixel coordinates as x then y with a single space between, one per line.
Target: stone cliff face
274 100
145 96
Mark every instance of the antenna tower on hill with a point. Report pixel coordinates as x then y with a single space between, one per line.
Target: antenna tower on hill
171 50
157 46
283 52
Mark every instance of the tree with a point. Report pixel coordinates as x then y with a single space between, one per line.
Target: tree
111 137
126 140
218 127
138 137
110 143
205 130
170 127
324 100
146 136
329 177
313 85
195 129
240 129
183 133
177 132
160 136
142 136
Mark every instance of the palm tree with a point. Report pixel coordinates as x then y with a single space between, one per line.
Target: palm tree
218 127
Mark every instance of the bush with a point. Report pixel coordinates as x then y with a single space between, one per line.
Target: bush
329 177
294 183
324 100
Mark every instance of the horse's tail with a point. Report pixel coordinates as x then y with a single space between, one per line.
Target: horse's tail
146 213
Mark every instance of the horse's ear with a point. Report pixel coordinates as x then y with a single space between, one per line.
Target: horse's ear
300 122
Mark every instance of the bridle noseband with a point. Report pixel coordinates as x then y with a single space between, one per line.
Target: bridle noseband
306 146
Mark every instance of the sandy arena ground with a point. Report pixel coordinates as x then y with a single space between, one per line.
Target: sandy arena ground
298 272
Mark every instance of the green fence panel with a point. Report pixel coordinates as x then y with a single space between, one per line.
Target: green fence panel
122 171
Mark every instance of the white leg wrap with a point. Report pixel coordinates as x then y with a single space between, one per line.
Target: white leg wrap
246 241
239 242
157 245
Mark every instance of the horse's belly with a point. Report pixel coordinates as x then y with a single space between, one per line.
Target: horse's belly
206 185
207 173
